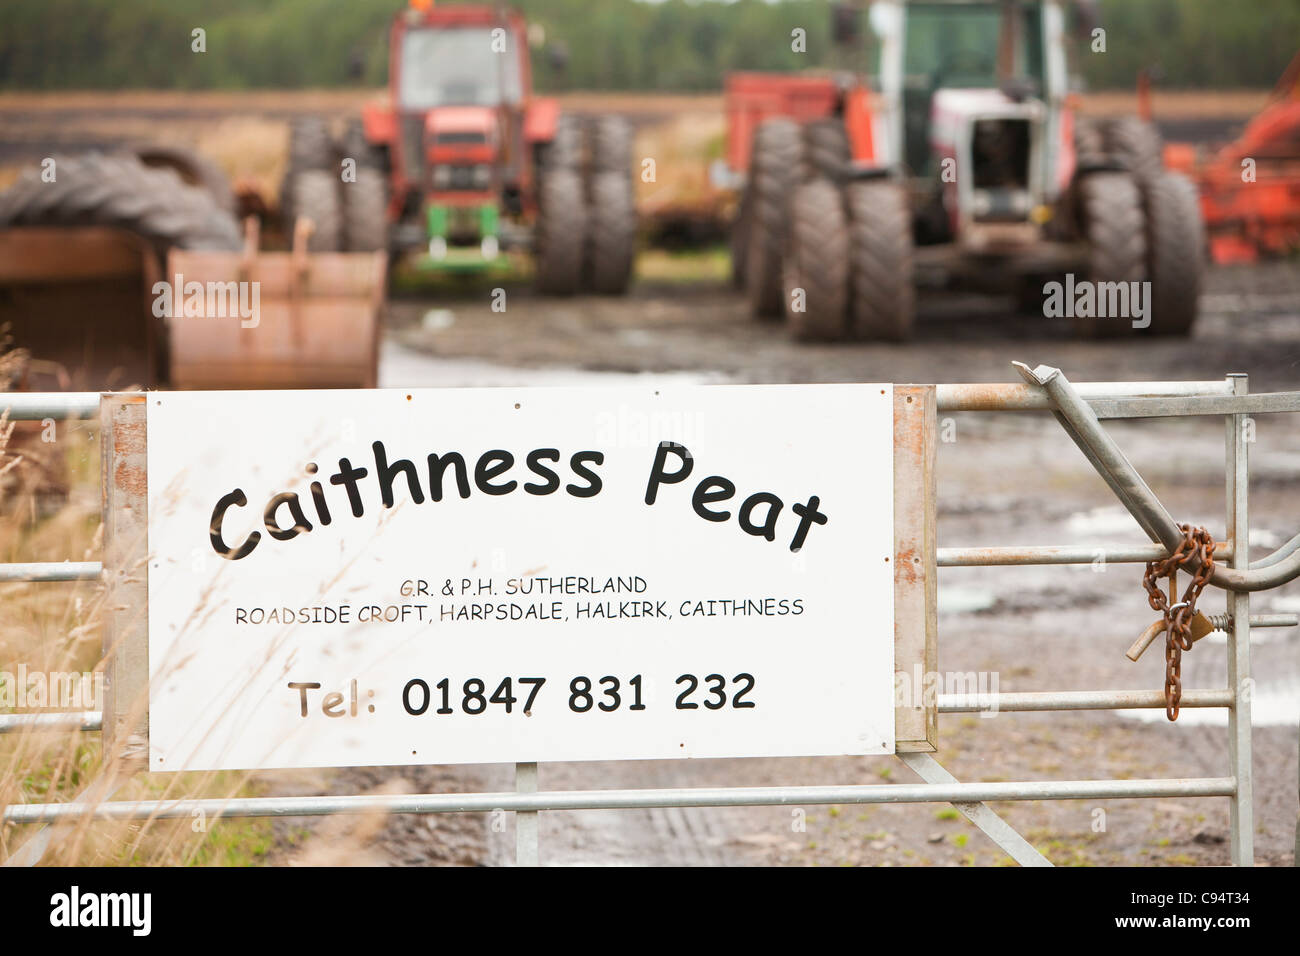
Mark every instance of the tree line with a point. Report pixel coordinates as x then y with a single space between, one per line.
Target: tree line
673 45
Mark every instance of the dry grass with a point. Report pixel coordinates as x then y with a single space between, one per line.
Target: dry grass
51 628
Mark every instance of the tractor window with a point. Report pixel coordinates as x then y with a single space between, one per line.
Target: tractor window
951 45
956 45
457 67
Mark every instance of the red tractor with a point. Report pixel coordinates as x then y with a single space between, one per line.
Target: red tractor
463 164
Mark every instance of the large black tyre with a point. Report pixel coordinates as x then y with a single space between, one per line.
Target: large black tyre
561 232
1135 144
611 145
826 148
815 270
1115 228
193 169
1175 239
311 148
774 170
365 211
354 145
310 145
882 290
315 195
564 151
1089 142
120 191
611 232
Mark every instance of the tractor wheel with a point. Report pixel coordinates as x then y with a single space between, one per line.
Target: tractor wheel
120 191
826 148
1089 142
739 239
611 238
365 211
192 168
1115 227
1135 144
315 195
815 271
882 296
564 151
310 145
561 231
1175 236
611 145
354 145
774 171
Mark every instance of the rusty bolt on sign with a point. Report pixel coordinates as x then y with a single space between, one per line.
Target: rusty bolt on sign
1183 624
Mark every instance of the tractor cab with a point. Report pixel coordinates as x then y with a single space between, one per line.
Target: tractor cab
980 90
459 80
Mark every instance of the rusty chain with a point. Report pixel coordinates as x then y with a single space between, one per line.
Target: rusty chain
1197 544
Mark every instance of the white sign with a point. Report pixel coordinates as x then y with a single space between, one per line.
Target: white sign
355 578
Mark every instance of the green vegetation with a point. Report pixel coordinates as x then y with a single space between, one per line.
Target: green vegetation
612 45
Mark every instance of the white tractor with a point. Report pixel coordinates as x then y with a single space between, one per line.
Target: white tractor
959 162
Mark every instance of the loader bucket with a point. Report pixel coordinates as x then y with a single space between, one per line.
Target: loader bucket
78 300
316 323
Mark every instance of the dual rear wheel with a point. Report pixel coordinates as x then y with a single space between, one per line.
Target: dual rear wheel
586 221
833 257
1143 229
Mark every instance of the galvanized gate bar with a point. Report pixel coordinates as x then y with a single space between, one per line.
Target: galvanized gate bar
527 836
628 799
35 406
34 723
1013 555
980 814
1031 701
39 571
1005 397
1264 403
1237 490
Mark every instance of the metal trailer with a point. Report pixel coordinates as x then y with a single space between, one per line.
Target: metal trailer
1079 409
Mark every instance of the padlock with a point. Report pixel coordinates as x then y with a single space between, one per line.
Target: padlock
1199 627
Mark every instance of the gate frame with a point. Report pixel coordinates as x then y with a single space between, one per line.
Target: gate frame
124 486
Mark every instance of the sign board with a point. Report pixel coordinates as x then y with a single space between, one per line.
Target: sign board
354 578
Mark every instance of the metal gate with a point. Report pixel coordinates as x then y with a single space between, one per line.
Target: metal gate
1078 408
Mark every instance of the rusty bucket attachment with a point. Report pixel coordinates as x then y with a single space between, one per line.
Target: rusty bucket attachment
275 319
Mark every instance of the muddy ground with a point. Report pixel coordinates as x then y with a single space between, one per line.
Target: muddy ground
1004 479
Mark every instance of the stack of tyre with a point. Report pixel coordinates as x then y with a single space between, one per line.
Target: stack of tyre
1142 223
347 212
586 222
830 252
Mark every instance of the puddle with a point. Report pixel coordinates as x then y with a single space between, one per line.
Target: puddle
964 600
1107 520
401 367
1276 704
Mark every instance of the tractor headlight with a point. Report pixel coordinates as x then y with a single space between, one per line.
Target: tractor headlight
482 176
441 177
